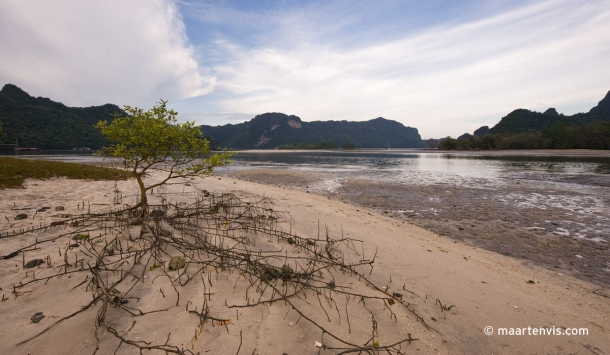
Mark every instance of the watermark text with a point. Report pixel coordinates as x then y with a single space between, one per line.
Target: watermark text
536 331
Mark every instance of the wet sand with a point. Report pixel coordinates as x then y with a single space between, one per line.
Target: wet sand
559 222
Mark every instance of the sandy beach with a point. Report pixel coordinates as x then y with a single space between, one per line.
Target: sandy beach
457 287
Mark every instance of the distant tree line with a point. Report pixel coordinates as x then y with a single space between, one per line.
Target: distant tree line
595 135
349 145
305 145
320 145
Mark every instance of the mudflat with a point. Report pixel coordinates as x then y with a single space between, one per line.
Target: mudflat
558 222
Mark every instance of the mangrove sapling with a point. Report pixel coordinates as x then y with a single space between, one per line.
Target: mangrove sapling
153 140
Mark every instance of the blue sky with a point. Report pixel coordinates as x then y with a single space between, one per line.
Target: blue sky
444 67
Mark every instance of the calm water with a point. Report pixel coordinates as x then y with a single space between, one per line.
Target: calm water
563 195
467 165
392 162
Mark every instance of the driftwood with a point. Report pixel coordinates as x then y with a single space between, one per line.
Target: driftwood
221 237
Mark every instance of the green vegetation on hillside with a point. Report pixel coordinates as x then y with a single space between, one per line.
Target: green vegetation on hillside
41 123
595 135
525 129
521 120
14 171
272 130
38 122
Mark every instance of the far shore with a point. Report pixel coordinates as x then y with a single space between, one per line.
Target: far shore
515 152
492 152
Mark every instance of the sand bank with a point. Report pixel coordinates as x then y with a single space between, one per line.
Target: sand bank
486 288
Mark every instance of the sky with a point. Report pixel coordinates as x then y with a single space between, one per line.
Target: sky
443 67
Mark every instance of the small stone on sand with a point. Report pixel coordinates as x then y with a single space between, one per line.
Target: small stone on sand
177 262
33 263
37 317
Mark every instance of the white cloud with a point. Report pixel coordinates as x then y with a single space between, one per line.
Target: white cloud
445 80
310 60
92 52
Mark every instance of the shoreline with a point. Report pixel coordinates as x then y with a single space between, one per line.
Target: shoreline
476 152
512 152
487 289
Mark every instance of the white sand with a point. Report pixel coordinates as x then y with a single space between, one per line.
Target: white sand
487 289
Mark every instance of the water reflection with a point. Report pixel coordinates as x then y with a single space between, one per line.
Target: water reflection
482 166
463 164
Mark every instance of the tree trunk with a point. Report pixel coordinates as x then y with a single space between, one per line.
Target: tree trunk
143 199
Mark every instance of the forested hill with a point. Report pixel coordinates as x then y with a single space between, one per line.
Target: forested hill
271 130
522 120
524 129
41 123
